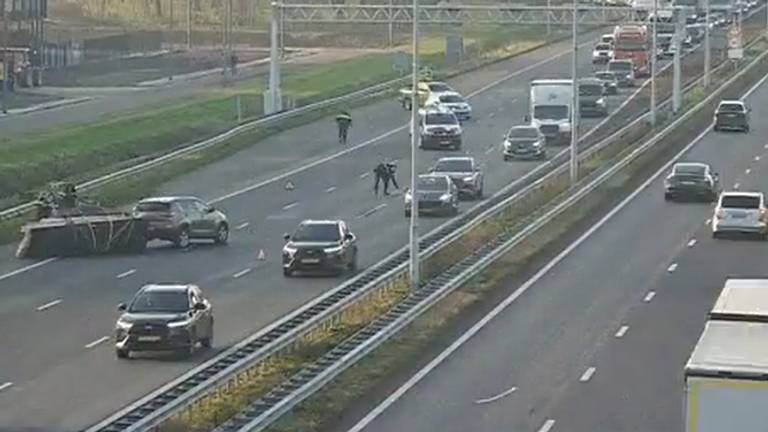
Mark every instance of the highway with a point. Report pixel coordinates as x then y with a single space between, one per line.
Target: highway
58 357
597 339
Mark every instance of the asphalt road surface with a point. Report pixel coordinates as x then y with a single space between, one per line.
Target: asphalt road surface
58 356
599 341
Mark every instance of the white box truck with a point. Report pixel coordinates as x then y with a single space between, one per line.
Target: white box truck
551 106
726 378
742 299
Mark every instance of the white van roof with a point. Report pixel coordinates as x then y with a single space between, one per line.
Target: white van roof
732 349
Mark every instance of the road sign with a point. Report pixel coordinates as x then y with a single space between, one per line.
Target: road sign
734 37
736 53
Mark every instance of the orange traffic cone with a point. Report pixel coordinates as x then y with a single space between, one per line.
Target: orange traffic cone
262 256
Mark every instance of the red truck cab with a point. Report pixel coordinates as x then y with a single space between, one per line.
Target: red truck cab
632 42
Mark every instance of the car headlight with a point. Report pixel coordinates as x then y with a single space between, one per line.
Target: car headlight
408 198
506 144
537 144
629 76
601 101
565 127
333 250
469 179
123 325
289 251
175 325
445 197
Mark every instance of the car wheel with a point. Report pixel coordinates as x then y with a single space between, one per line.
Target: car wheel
222 234
717 128
667 197
479 194
182 240
122 354
287 272
407 104
407 214
746 129
715 235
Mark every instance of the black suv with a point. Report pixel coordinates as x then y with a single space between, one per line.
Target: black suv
732 114
164 317
692 180
180 219
320 245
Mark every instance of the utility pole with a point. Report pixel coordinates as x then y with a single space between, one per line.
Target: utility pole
170 13
574 165
282 34
677 40
653 62
275 99
707 49
6 70
549 6
415 105
189 24
390 28
228 40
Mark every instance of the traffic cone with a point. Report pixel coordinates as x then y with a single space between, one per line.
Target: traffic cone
262 256
289 185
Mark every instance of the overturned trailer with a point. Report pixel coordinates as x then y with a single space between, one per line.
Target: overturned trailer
75 235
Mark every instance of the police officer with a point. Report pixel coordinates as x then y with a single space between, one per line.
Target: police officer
344 122
381 174
391 168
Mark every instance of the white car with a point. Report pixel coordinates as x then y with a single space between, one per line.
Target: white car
740 212
439 128
453 101
603 53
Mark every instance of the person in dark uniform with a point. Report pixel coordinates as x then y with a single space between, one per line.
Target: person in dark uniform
391 168
381 174
344 122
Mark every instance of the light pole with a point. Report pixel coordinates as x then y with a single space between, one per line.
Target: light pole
275 100
549 5
574 164
706 46
415 104
189 24
653 62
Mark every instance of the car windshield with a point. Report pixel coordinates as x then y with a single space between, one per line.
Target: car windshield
607 39
690 170
160 301
523 132
439 87
602 47
730 107
441 119
451 99
619 66
740 201
432 184
153 207
631 46
590 89
454 165
550 112
317 233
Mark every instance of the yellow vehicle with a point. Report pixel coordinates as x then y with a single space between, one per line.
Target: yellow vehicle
426 89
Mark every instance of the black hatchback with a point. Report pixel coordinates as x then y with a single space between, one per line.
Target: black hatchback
692 180
320 245
732 115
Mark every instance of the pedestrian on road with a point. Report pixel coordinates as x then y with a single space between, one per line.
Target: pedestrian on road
344 122
381 174
391 168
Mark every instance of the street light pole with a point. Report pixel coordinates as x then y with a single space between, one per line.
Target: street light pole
574 163
189 24
653 62
549 5
275 99
706 47
415 104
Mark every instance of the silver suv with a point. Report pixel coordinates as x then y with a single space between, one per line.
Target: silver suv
180 219
439 129
740 212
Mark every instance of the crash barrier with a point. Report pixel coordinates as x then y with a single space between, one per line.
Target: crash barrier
233 365
268 120
260 414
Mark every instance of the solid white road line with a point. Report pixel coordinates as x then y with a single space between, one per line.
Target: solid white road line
649 296
364 175
672 268
242 225
415 379
97 342
547 426
587 375
692 243
291 205
622 331
497 397
242 273
48 305
331 189
371 211
27 268
6 385
126 274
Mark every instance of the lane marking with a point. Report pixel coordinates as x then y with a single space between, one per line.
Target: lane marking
98 341
490 149
242 225
497 397
587 375
757 158
547 426
291 205
748 170
6 385
765 146
649 296
502 306
371 211
126 274
622 331
27 268
692 243
708 221
736 186
672 267
331 189
364 175
242 273
48 305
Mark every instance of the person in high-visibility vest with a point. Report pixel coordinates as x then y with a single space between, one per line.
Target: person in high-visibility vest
344 122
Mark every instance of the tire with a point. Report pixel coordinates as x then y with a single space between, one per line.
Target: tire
479 194
746 129
222 234
667 197
717 128
407 105
454 210
407 214
715 235
182 240
122 354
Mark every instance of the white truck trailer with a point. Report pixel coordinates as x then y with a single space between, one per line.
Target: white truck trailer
551 109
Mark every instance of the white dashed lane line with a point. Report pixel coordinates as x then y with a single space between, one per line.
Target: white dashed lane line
547 426
497 397
331 189
692 243
708 221
242 273
371 211
490 150
98 341
649 296
6 385
736 186
587 375
48 305
748 170
622 331
126 274
364 175
291 205
757 158
242 225
672 267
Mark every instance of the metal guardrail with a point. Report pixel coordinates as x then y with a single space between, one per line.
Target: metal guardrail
306 382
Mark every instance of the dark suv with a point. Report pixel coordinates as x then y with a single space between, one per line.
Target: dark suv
180 219
320 245
730 115
164 317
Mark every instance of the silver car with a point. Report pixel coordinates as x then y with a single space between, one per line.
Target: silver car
740 212
464 172
435 194
524 142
